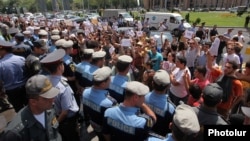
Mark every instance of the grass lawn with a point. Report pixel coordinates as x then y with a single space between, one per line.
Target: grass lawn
225 19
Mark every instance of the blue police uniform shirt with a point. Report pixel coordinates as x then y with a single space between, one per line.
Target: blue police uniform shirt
35 37
157 57
96 101
52 48
117 87
123 123
65 100
67 59
84 78
169 138
88 74
163 109
12 72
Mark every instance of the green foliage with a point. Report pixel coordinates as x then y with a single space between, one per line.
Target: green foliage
198 20
187 17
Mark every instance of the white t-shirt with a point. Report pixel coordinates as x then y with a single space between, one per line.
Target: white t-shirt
231 57
41 118
180 90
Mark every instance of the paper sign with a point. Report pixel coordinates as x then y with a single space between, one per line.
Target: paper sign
188 34
139 33
94 21
126 42
68 22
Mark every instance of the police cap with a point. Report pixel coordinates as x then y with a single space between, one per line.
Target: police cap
125 59
55 37
40 85
43 32
27 32
5 44
12 30
137 88
55 32
54 57
67 44
60 42
161 77
87 51
101 74
41 43
98 54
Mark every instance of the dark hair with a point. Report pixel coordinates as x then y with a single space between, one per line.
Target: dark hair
173 55
202 70
182 60
181 46
247 64
121 66
52 68
95 60
195 91
159 87
237 49
234 64
97 83
86 56
92 44
128 94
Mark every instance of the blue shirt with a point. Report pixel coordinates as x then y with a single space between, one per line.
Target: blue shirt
11 71
117 87
157 57
81 73
95 102
123 123
169 138
52 48
163 109
65 100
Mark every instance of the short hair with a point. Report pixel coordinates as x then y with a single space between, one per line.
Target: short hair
182 60
234 64
121 66
92 44
52 68
202 70
195 91
98 83
247 64
159 87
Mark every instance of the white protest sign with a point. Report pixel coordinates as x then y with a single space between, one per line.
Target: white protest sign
139 33
188 34
126 42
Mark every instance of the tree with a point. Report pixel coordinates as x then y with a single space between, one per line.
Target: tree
116 3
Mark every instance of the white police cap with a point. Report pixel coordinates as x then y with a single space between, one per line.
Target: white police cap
137 88
98 54
161 77
67 44
53 57
125 58
101 74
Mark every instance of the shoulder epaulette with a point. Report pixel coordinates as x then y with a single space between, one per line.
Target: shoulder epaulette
156 135
64 81
111 99
149 120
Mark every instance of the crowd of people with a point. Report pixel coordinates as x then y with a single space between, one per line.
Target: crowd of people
125 84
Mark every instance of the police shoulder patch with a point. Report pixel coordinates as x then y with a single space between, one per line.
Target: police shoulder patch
149 120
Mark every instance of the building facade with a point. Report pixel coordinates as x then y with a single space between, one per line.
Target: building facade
185 4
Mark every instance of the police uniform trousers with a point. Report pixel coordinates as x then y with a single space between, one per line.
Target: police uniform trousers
68 129
17 97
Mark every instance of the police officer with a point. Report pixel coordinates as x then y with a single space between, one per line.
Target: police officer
12 74
96 99
160 103
12 32
33 60
35 34
81 81
124 122
36 121
20 48
27 38
52 46
96 62
119 81
65 104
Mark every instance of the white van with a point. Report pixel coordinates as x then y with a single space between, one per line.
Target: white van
173 20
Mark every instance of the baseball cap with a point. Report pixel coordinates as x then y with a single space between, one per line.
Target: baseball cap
213 92
246 111
40 85
186 120
125 59
101 74
40 43
137 88
161 77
